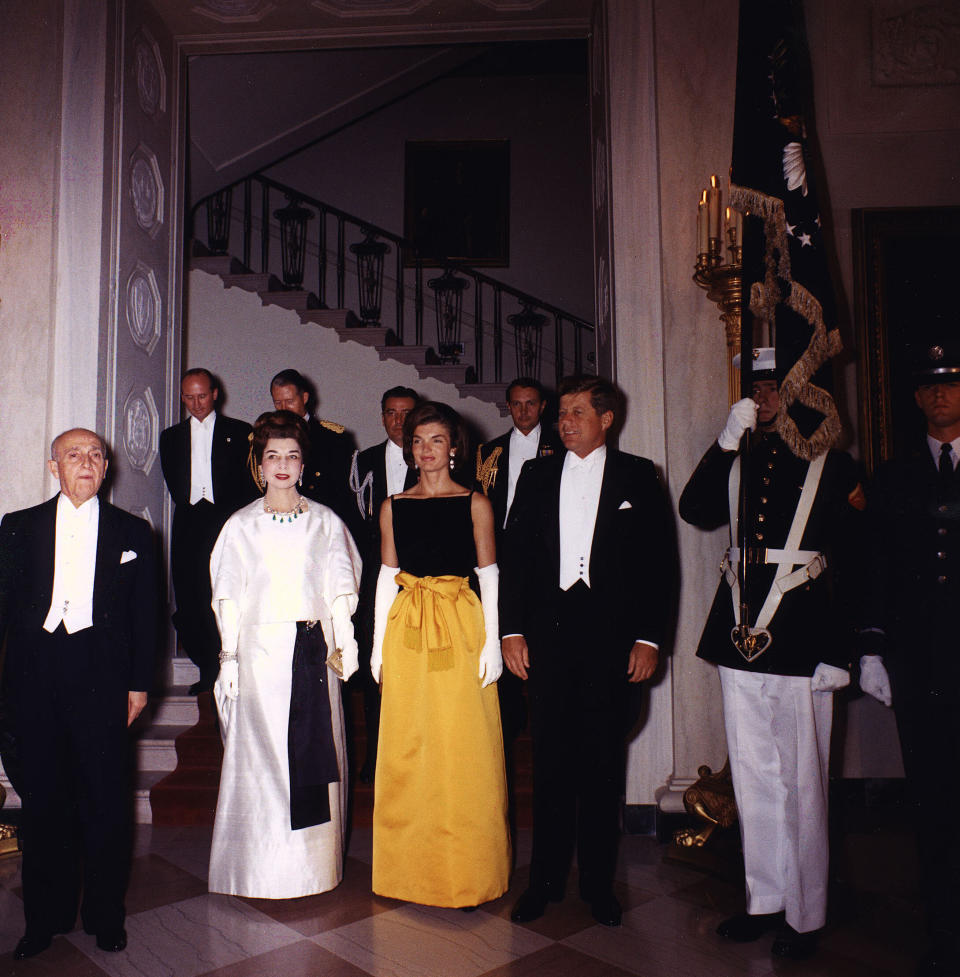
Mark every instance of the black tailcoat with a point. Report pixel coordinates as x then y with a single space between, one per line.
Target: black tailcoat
67 699
196 527
579 643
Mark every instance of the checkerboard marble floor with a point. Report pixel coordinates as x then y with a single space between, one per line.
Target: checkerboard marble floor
177 929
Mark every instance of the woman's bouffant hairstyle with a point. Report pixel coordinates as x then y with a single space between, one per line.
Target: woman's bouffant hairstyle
279 424
431 412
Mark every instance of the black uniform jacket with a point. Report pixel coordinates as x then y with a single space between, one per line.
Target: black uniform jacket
326 472
814 622
492 476
631 559
915 568
232 484
125 599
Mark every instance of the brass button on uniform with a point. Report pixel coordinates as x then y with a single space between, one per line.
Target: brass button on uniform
758 537
941 579
766 480
941 555
763 500
942 531
761 518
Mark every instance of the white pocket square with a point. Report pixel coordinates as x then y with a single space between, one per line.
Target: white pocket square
624 505
127 555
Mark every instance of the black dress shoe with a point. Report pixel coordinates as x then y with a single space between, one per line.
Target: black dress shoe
792 945
744 928
605 909
31 945
533 903
113 941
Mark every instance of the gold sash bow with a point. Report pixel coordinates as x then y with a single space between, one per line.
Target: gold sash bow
424 623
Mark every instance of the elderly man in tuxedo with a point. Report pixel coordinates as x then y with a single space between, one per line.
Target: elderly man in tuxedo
585 571
78 608
376 473
204 461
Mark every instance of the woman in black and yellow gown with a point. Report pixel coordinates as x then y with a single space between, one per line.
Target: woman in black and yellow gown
440 834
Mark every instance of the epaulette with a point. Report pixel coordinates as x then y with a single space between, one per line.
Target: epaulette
332 426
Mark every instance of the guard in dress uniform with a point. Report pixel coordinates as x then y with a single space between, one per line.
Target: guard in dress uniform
910 640
778 681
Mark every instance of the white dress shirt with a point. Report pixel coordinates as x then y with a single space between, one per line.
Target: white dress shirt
522 448
74 561
396 468
580 483
934 446
201 449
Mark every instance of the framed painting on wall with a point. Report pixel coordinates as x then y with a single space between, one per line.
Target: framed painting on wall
904 263
457 201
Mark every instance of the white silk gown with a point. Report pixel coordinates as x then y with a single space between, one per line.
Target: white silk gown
266 576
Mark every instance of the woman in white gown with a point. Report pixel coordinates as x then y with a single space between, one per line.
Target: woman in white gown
284 573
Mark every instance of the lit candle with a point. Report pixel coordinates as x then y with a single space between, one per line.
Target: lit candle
713 203
702 228
738 228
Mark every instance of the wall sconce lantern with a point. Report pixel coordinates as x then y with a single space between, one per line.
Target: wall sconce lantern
448 297
293 241
370 253
528 334
218 221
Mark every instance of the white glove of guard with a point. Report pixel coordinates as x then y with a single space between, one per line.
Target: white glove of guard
229 678
343 636
387 590
874 679
742 417
829 678
491 661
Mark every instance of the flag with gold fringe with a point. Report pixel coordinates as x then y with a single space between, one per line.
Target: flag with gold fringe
786 275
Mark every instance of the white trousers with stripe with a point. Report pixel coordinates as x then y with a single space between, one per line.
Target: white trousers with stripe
778 739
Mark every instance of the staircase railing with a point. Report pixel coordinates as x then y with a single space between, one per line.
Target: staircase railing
327 255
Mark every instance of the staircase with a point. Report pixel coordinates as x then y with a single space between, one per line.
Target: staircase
347 326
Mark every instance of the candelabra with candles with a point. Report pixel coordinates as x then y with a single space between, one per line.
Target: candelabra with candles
722 275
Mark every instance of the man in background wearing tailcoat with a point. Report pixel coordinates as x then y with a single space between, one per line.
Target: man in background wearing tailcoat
376 473
204 462
909 643
778 687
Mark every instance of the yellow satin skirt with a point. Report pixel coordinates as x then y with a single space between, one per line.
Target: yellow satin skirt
440 834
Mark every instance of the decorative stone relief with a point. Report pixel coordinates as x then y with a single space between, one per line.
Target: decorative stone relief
600 176
919 45
146 189
144 308
151 78
141 421
234 11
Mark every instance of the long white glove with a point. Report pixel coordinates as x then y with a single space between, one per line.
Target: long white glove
228 621
874 679
344 637
229 678
387 589
742 417
829 678
491 661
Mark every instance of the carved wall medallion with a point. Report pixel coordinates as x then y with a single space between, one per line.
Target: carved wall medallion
150 76
234 11
146 189
144 308
141 421
919 45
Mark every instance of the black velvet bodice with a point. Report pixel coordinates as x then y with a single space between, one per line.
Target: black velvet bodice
434 537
